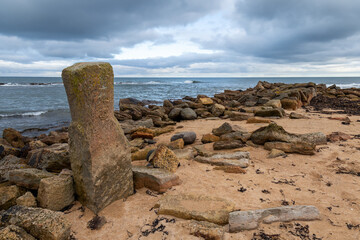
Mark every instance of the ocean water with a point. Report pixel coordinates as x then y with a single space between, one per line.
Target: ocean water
40 103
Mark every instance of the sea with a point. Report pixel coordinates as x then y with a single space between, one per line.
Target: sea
35 105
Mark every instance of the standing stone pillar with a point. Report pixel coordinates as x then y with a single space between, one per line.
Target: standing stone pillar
99 151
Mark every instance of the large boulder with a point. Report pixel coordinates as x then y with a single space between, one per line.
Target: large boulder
175 114
53 158
99 151
188 137
188 114
56 193
272 133
223 129
43 224
217 110
11 162
13 137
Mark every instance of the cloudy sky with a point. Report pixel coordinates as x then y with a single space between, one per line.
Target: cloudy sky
182 38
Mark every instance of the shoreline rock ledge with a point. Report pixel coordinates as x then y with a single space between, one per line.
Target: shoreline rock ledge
99 151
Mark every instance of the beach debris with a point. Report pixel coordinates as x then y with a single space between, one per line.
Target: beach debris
27 200
96 138
42 224
263 236
96 222
196 207
28 177
158 225
240 159
188 137
56 193
156 179
248 220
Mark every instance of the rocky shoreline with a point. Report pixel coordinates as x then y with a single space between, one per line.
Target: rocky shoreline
38 198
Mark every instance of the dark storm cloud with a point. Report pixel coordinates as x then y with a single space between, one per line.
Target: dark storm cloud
94 19
292 30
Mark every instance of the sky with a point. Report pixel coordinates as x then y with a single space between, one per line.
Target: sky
182 38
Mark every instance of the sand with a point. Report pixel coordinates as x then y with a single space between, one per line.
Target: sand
311 180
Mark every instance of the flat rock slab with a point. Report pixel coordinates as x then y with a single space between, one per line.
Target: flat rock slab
248 220
187 153
240 159
41 223
196 207
156 179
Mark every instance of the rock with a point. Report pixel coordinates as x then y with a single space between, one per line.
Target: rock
175 114
36 144
56 193
168 104
295 115
209 138
165 158
134 101
13 137
177 144
275 112
130 126
13 232
317 138
292 147
188 137
338 136
238 135
96 138
275 103
224 128
206 230
143 133
53 158
122 116
184 153
28 178
141 154
8 195
43 224
55 137
274 153
202 151
206 101
201 208
222 145
272 132
239 159
258 120
248 220
7 149
27 200
291 104
188 114
167 129
217 110
156 179
8 163
137 142
240 116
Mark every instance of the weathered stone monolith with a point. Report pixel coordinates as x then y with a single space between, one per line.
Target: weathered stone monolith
99 151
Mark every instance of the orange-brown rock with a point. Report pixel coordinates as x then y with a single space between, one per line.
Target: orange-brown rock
143 133
258 120
209 138
177 144
165 158
230 169
13 137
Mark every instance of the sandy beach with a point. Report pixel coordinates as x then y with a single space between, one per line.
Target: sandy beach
294 180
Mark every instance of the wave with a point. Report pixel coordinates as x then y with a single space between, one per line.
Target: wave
29 84
26 114
346 85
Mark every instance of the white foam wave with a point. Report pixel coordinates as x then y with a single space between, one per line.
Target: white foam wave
346 85
29 84
189 81
26 114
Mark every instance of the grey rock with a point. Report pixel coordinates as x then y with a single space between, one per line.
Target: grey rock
188 114
222 145
223 129
53 158
275 112
175 114
238 135
188 137
217 110
28 178
304 148
317 138
43 224
248 220
240 159
9 163
99 151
